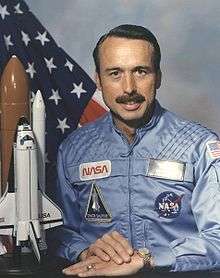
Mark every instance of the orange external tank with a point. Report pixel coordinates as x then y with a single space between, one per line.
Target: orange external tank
14 103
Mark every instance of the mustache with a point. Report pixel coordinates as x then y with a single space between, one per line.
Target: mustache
132 97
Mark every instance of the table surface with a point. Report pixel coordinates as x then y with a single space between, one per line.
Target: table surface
58 274
52 268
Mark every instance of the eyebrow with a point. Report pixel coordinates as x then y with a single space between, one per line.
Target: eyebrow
142 67
149 68
112 69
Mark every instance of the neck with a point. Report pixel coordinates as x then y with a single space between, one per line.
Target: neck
127 130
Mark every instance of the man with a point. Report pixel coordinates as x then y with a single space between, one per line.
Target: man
139 188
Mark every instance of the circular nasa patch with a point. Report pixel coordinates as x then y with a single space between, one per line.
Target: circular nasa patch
168 204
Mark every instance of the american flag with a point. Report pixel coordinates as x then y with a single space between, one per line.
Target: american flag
65 87
214 149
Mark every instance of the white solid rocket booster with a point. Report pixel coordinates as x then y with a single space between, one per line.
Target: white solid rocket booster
38 123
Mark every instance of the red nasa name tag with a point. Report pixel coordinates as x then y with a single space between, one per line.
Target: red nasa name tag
95 170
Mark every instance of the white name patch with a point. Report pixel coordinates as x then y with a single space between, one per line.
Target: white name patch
167 169
95 170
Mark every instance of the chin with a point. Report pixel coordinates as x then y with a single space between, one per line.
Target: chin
132 116
128 118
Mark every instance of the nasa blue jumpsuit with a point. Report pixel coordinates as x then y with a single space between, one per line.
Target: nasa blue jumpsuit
161 192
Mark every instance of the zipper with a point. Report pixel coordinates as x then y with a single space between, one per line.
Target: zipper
129 197
130 153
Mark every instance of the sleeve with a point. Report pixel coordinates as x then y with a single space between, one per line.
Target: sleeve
69 242
201 252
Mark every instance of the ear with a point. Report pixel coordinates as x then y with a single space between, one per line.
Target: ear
158 79
98 81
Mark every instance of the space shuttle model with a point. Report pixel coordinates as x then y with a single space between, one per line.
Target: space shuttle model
25 211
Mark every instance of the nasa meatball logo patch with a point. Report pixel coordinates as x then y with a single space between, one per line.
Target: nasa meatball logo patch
168 204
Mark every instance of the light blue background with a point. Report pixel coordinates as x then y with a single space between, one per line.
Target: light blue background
188 32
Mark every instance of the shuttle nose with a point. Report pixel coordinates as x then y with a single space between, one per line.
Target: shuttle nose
23 121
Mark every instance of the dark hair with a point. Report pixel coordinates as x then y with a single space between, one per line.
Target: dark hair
130 32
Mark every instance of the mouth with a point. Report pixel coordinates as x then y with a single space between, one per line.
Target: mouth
131 106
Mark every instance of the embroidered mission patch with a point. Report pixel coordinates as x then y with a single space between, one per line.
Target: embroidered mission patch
96 210
213 148
168 204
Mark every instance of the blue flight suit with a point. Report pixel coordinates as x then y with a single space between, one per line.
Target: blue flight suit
161 192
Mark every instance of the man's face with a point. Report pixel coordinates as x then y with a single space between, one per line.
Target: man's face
127 77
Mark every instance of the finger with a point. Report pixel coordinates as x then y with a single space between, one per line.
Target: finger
75 266
101 246
75 271
92 272
84 268
124 242
117 247
80 266
97 250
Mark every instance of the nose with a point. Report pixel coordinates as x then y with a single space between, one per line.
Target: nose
129 84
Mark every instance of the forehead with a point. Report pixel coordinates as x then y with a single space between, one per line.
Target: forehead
116 50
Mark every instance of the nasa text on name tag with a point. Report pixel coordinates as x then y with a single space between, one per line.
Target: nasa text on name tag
95 170
167 169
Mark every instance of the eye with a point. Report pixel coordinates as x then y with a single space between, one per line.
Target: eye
115 73
141 72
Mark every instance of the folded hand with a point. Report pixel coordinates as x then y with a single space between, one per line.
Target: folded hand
111 246
94 266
